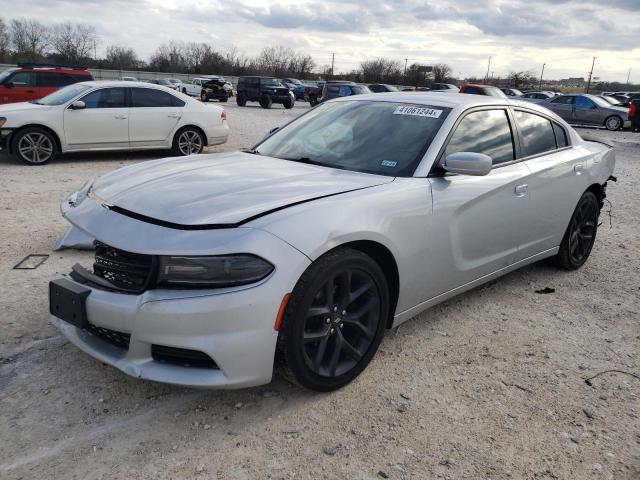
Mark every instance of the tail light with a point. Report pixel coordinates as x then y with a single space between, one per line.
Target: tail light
223 116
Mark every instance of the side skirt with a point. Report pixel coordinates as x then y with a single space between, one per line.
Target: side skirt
413 311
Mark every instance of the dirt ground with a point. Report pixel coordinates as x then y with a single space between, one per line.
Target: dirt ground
489 385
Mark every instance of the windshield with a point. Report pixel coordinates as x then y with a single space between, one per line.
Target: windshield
611 100
515 91
271 82
384 138
63 95
6 73
601 102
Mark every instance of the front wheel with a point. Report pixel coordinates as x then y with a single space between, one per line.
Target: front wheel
188 141
334 321
241 100
288 103
34 146
613 123
203 97
313 101
580 235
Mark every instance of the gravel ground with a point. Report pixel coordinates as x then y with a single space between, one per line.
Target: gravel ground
487 385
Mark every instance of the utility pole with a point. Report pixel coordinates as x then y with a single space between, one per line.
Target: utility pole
628 76
405 71
590 74
541 74
333 57
488 67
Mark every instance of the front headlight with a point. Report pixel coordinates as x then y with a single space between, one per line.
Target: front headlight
213 272
77 197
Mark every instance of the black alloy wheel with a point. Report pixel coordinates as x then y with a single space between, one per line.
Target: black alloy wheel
580 235
334 321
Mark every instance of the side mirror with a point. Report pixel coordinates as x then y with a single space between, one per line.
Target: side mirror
468 163
8 84
78 105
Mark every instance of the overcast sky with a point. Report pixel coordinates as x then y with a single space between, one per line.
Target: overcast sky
518 34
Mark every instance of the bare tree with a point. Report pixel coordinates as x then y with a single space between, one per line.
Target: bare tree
72 42
29 38
4 41
381 69
519 79
121 58
441 73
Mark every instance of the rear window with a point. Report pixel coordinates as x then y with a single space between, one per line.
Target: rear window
536 132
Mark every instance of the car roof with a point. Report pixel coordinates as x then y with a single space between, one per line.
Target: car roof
123 83
478 85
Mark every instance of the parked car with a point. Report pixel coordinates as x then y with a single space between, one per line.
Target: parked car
194 88
623 99
346 222
176 83
536 97
482 90
443 86
615 102
31 81
265 90
114 115
342 89
512 92
298 92
583 109
128 79
165 82
313 93
382 88
215 89
291 83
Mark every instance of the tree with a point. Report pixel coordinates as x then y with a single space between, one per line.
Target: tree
519 79
381 69
30 39
121 58
4 41
72 43
441 73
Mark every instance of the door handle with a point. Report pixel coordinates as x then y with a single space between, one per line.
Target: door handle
520 190
174 115
120 117
578 168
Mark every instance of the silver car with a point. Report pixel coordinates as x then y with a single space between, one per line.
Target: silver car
350 220
588 110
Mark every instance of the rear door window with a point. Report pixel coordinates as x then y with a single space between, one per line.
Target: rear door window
150 98
536 133
485 131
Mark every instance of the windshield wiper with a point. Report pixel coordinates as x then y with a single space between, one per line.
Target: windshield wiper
252 151
311 161
35 102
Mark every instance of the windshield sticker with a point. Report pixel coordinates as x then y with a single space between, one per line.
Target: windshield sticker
388 163
417 111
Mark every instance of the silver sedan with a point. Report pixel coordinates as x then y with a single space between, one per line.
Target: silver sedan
588 110
302 251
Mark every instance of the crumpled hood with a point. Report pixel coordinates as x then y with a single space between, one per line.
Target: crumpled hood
221 189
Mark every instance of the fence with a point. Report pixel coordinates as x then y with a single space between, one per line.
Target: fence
143 76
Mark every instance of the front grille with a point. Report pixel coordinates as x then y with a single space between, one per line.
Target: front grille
117 339
130 272
182 357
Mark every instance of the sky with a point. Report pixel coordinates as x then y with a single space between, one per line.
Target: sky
518 35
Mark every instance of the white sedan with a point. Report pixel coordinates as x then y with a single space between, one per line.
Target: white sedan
113 115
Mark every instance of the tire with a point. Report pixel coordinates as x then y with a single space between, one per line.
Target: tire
203 97
288 104
342 333
184 90
580 235
224 99
188 141
34 146
313 101
241 100
613 123
265 101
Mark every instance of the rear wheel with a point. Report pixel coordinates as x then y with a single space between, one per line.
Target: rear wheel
34 146
334 320
580 235
313 101
241 100
613 123
265 101
203 97
188 141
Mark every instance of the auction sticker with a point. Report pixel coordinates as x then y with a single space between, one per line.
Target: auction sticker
417 111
